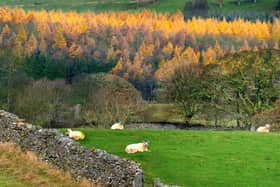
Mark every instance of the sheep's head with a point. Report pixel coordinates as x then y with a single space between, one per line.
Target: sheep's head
146 144
267 126
68 131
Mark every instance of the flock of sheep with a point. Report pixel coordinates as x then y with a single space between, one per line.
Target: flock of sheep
131 148
138 147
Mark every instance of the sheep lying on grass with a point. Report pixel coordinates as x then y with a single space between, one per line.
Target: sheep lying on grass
265 128
139 147
77 135
118 126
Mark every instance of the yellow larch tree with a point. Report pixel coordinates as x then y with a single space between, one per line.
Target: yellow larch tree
59 40
22 35
168 49
209 56
31 45
245 46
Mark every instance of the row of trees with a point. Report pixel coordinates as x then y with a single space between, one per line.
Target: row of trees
204 4
235 88
102 98
202 8
137 46
145 2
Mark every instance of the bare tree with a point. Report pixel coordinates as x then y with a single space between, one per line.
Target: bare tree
107 99
221 3
185 89
43 102
238 2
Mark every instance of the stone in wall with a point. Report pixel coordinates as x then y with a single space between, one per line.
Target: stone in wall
97 166
158 183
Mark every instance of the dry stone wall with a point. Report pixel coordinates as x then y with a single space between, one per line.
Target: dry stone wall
96 165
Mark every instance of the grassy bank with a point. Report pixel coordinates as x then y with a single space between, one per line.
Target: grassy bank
198 158
161 112
26 170
172 113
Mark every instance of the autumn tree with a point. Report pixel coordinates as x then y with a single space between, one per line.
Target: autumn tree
216 92
45 42
12 81
106 99
22 35
31 45
59 40
253 83
245 46
43 101
185 89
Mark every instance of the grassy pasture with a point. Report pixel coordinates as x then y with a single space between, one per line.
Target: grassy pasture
198 158
119 5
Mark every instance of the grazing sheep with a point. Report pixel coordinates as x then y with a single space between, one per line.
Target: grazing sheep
265 128
118 126
77 135
139 147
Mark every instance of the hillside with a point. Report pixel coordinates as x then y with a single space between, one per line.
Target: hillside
197 158
119 5
26 170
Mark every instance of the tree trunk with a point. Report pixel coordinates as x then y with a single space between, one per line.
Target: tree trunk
77 111
137 4
253 128
237 112
10 71
69 73
216 118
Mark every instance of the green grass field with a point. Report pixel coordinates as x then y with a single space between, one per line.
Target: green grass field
118 5
198 158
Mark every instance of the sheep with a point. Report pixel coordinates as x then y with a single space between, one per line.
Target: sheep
265 128
118 126
20 122
77 135
138 147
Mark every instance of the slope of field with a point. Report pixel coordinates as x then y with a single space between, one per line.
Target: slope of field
229 5
198 158
26 170
161 112
117 5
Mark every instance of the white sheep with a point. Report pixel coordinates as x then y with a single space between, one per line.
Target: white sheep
265 128
20 122
118 126
138 147
77 135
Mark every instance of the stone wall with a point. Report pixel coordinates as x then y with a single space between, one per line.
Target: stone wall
96 165
178 126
